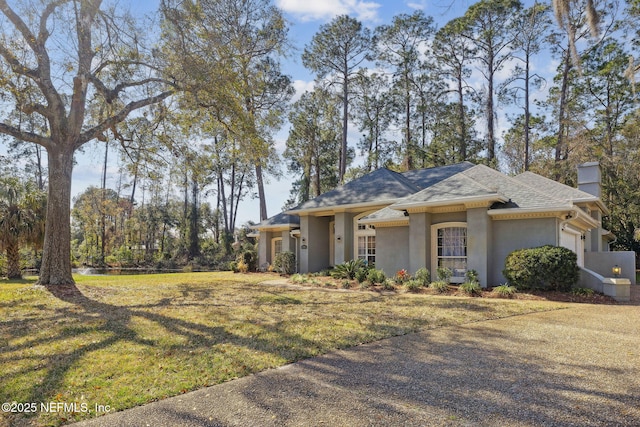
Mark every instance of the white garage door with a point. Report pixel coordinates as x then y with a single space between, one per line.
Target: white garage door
572 239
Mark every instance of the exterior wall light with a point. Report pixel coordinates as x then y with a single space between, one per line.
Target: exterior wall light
616 270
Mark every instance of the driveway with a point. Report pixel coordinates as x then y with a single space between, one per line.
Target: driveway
578 366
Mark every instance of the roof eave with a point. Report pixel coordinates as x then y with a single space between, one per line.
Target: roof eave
458 201
276 226
342 208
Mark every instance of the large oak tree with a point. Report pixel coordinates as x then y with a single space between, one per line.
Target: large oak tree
78 66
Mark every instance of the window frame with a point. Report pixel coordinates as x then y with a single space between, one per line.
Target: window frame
435 257
274 242
368 233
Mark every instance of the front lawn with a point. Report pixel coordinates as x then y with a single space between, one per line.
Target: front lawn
116 342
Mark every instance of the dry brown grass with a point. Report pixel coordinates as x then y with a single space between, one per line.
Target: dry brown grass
124 341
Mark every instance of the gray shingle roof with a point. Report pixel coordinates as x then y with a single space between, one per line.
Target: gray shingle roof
382 185
385 214
279 220
482 182
554 188
522 195
378 186
452 189
424 178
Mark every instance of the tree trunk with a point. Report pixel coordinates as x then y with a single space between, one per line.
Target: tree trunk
56 256
462 127
194 242
345 121
491 140
261 194
13 260
560 143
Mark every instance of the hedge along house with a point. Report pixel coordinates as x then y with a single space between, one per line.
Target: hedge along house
462 216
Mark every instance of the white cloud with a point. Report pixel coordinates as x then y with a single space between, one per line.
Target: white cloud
309 10
302 86
416 5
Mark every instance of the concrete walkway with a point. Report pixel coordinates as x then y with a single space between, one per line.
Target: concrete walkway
578 366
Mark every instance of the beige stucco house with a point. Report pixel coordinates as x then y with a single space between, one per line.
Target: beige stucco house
462 216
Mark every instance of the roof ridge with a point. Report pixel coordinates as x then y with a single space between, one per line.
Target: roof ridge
480 184
554 182
401 177
518 182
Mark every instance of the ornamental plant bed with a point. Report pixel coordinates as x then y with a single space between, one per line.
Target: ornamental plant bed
327 282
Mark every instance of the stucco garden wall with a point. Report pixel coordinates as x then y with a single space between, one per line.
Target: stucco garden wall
602 262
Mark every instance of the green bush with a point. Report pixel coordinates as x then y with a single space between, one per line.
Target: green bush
413 285
299 278
248 259
361 274
547 267
471 288
423 276
471 276
401 276
285 263
348 269
376 276
444 274
388 285
583 292
439 286
505 290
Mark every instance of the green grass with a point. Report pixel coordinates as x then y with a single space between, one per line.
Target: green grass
124 341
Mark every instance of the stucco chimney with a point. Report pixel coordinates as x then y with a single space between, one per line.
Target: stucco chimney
590 178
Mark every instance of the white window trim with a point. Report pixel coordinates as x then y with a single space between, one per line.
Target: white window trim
434 247
273 248
369 230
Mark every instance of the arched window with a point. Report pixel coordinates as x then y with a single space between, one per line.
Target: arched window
364 240
449 249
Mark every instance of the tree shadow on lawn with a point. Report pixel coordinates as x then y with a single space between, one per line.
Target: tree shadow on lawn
110 325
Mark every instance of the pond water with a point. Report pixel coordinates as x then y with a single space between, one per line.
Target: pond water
91 271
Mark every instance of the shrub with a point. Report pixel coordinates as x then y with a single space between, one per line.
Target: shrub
423 276
545 268
402 276
376 276
242 267
583 292
439 286
346 284
298 278
361 274
471 276
444 274
388 285
348 269
233 266
249 258
285 263
505 290
471 288
365 285
413 285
